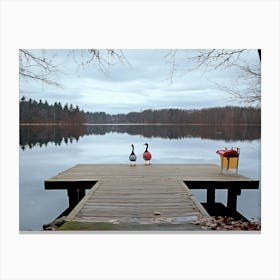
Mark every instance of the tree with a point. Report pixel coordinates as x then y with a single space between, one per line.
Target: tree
245 63
43 65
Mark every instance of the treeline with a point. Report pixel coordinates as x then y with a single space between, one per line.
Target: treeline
32 111
217 115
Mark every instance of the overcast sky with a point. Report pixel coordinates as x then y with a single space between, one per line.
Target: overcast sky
141 82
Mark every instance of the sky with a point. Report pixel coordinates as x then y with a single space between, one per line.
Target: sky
141 79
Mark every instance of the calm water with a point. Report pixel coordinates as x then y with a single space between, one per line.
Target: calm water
47 150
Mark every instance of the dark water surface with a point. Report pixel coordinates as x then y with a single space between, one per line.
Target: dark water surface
47 150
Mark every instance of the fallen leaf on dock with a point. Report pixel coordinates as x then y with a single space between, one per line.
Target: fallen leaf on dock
163 220
115 222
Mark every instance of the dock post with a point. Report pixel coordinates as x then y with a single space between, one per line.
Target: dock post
81 193
72 197
210 196
75 195
232 198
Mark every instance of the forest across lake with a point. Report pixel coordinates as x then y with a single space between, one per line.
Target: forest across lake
32 112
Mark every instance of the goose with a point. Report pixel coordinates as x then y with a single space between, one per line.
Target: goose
132 157
147 155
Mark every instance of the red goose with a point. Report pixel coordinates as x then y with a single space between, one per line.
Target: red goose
147 155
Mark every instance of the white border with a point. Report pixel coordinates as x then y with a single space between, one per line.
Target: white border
153 24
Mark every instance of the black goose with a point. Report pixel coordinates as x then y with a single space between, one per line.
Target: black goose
132 157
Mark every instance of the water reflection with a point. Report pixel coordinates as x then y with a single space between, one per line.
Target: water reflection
33 135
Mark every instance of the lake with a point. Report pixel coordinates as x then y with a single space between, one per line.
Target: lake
46 150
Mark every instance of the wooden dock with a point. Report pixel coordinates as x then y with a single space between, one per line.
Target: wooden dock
143 195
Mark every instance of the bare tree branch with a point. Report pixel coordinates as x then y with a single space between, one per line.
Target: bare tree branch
43 68
223 59
39 68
